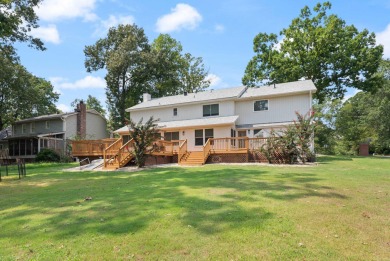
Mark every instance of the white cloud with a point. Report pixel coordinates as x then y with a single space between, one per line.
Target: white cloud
384 39
219 28
54 10
47 33
88 82
113 21
64 108
183 16
214 80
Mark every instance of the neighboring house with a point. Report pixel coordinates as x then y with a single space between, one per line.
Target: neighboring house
223 113
31 135
4 134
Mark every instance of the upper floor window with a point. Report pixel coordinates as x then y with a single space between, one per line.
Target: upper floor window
24 128
47 124
261 105
174 111
210 110
32 127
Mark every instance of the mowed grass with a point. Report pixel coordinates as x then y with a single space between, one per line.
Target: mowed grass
338 210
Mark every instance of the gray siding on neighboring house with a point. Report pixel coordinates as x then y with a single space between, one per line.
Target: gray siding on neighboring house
71 127
96 127
280 109
55 126
184 112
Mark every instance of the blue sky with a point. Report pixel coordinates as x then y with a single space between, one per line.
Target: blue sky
221 32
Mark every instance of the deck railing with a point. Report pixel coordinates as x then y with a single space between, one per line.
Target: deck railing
112 150
206 150
90 147
236 143
182 150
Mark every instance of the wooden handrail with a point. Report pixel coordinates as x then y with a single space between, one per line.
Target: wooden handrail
206 150
182 150
112 150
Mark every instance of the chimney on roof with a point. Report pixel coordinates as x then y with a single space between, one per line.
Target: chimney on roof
81 120
147 97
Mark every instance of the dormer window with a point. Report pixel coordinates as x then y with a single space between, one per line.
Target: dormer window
174 111
210 110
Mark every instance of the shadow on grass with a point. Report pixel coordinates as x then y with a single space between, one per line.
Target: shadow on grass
206 199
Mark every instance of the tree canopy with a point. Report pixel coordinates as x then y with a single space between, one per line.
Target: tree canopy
319 47
91 103
23 95
17 18
134 67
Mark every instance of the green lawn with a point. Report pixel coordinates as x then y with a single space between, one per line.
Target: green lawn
337 210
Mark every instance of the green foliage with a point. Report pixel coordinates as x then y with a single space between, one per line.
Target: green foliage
91 103
325 137
293 144
134 67
123 54
319 47
48 155
22 95
143 136
17 18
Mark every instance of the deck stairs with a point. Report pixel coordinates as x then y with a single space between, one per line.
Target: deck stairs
123 156
193 158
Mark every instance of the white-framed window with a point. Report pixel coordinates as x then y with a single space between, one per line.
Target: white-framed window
261 105
24 128
210 110
32 127
201 136
174 111
47 124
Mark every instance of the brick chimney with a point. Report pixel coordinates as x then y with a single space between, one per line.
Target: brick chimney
81 120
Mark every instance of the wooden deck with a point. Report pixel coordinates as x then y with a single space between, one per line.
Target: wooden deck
117 154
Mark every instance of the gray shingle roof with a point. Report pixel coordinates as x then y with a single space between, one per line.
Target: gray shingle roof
229 93
280 88
208 95
55 116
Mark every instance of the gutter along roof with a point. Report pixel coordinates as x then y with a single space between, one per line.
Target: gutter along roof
236 93
202 122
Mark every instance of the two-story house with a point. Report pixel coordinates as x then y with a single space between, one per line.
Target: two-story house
231 118
31 135
231 112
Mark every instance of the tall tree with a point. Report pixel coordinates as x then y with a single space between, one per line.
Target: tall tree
320 47
91 103
123 53
23 95
17 18
364 117
175 72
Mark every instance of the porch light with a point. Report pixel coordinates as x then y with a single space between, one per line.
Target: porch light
183 133
249 131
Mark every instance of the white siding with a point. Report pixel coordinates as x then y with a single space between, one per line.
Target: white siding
280 109
184 112
189 135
